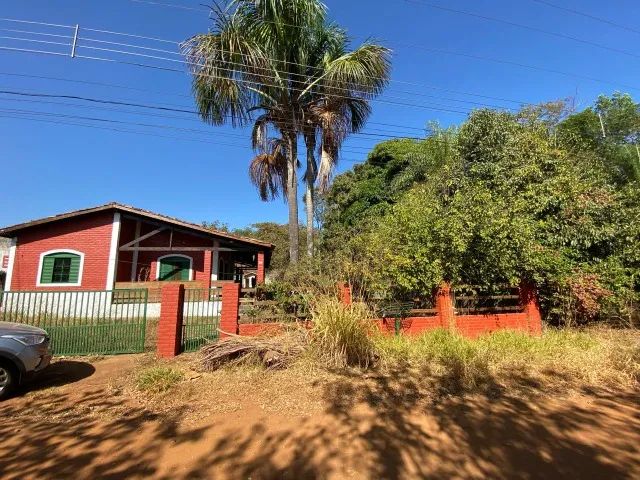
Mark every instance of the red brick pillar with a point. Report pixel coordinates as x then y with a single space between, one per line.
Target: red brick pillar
230 309
170 325
529 300
260 270
345 293
444 306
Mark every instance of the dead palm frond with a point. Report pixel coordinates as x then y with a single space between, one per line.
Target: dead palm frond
268 170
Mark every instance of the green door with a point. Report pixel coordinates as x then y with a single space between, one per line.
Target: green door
174 268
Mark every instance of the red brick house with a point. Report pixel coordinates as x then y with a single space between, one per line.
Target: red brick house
114 245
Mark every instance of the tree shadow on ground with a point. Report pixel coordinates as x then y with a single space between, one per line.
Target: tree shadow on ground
391 426
394 425
99 435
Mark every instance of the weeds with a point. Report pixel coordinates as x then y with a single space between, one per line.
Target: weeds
342 334
155 380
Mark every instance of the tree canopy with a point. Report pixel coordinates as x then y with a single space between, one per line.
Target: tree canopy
504 198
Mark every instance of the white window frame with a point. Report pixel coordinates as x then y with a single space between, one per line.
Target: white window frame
159 262
62 250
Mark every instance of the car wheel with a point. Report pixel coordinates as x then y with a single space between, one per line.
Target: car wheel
8 379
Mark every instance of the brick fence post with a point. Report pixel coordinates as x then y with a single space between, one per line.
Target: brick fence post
345 293
170 325
230 309
529 301
444 306
260 273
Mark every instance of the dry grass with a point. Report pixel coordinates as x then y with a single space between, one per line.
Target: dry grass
595 356
437 363
272 352
342 334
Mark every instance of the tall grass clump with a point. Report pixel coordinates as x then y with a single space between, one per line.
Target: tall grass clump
342 334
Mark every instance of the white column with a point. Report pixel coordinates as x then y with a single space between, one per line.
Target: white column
12 261
215 260
113 251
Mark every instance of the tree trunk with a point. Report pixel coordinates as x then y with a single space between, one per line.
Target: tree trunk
292 197
309 198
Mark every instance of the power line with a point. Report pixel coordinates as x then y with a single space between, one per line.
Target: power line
474 15
31 22
516 64
154 107
172 5
523 26
144 90
18 116
421 85
272 72
437 107
587 15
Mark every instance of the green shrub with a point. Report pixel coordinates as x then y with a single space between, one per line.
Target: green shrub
156 380
342 334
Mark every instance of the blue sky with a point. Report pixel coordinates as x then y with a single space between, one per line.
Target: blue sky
47 168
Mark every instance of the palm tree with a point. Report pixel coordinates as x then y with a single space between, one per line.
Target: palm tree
279 58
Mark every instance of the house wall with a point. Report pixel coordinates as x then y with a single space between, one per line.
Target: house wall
90 234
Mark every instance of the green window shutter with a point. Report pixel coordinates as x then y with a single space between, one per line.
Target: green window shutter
69 275
174 268
74 272
47 269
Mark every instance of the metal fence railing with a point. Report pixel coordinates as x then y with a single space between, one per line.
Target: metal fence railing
470 300
200 317
82 322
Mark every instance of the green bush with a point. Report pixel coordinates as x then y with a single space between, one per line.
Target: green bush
342 334
156 380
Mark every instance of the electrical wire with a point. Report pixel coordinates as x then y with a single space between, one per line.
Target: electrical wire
8 114
158 92
421 85
151 107
523 26
587 15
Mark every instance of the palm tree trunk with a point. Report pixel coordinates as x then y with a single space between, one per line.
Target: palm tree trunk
309 197
292 196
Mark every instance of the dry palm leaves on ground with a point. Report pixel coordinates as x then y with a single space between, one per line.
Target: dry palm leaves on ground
273 352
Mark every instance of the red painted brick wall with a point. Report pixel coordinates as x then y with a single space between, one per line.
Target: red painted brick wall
90 234
410 325
476 325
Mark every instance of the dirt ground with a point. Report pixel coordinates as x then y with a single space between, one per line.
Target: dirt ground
83 420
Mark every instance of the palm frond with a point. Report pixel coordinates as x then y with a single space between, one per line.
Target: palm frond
268 171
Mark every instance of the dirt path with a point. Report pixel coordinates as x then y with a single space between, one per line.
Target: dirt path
82 426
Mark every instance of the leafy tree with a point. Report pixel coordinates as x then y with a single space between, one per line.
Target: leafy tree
511 200
611 128
359 196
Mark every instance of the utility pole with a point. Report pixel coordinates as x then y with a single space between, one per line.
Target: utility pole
604 134
75 41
